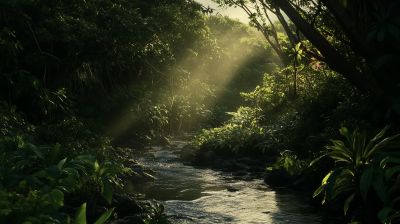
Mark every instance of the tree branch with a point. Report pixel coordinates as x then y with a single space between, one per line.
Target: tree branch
333 58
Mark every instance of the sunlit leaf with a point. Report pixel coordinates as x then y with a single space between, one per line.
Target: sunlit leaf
347 202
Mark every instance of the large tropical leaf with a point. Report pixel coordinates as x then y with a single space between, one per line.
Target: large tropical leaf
347 202
331 183
365 181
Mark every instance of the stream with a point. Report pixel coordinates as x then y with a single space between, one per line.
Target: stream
202 195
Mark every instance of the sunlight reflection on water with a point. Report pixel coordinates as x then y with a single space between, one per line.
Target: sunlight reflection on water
200 195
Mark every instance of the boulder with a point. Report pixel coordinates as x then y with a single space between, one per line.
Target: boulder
203 158
279 178
187 155
126 206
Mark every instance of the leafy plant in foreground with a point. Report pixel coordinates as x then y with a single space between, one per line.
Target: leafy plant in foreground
364 167
158 215
80 217
101 175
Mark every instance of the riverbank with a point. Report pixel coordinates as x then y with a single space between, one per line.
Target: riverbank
230 190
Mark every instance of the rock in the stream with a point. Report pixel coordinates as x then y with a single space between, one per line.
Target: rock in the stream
279 178
187 156
127 206
203 158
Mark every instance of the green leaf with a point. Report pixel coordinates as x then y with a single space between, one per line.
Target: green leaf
61 163
331 183
45 189
343 3
390 9
365 181
391 171
149 220
395 215
12 110
393 30
372 34
31 179
379 187
53 155
383 214
37 151
343 131
380 62
339 146
314 161
339 155
56 197
343 188
389 159
80 217
107 189
393 202
104 216
378 136
381 145
13 180
347 202
53 172
326 177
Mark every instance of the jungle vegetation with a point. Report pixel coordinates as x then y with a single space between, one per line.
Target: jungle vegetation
77 77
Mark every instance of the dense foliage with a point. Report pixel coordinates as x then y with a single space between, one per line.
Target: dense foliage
337 69
79 78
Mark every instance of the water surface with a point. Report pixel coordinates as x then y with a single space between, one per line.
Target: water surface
202 195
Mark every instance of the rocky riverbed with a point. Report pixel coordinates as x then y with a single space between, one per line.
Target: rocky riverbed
201 187
197 186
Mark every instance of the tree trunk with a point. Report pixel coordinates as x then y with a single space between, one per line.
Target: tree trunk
334 59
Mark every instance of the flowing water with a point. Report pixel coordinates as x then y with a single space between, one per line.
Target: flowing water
203 195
